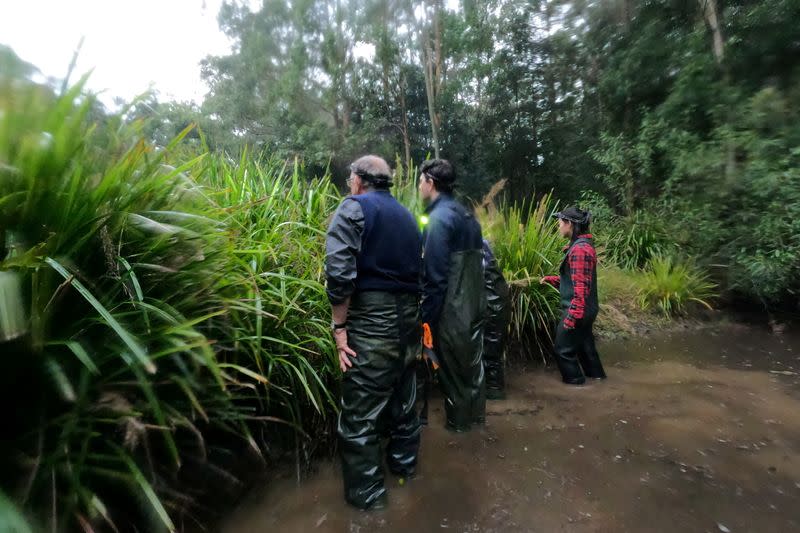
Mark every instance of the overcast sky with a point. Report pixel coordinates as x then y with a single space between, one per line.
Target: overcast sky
130 44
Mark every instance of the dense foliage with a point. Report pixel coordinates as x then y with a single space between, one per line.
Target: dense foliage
171 276
681 113
173 311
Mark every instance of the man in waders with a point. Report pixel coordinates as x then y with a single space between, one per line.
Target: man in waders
577 283
494 332
453 298
373 269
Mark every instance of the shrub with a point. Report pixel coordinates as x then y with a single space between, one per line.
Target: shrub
672 285
174 312
527 246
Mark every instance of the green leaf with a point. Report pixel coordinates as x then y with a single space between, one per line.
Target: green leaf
11 518
136 349
147 489
79 352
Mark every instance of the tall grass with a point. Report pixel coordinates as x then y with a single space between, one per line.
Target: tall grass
404 187
671 285
171 309
278 319
633 242
526 243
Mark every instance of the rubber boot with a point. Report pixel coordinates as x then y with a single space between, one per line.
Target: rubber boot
589 358
568 345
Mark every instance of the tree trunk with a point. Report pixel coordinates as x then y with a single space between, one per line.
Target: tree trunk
713 20
431 104
711 15
384 59
404 122
430 86
345 114
439 67
550 75
627 12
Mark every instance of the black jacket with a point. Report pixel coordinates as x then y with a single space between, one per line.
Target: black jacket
450 229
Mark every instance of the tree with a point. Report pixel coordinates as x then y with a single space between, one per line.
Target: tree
430 42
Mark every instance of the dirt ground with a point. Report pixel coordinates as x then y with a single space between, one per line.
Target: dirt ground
693 431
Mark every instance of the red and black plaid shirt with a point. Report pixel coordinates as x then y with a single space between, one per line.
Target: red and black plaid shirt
582 261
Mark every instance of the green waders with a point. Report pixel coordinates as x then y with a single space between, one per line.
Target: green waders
498 312
379 393
458 342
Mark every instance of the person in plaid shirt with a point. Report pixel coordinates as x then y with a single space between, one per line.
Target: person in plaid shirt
575 350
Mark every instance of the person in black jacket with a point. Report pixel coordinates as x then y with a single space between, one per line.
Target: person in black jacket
453 297
373 269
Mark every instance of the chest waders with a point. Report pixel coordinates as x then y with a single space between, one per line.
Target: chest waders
498 313
458 342
575 348
379 393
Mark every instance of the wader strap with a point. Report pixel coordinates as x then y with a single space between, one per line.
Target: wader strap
427 385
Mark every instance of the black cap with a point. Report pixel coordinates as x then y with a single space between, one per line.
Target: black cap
573 214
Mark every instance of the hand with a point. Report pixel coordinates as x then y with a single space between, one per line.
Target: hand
542 281
345 352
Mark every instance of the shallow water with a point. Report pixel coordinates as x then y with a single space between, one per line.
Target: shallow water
693 431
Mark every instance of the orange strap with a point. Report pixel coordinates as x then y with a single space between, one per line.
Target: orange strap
427 336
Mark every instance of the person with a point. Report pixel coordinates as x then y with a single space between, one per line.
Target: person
453 298
373 269
494 332
575 351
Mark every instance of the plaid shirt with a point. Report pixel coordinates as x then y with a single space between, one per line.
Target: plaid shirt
582 261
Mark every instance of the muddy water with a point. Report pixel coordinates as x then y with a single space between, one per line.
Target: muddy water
695 431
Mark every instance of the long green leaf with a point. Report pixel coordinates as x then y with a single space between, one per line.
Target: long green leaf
147 489
136 349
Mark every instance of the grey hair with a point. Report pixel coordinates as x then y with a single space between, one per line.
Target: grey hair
372 169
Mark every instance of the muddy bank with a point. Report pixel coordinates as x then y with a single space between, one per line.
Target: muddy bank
695 431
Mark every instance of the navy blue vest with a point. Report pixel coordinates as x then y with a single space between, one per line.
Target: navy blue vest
391 245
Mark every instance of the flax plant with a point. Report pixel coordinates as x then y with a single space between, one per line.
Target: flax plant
170 310
527 246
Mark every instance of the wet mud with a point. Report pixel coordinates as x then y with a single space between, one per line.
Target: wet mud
694 431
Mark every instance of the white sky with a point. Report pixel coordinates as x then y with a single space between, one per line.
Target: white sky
130 44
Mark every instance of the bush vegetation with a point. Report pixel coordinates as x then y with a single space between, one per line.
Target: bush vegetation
173 311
